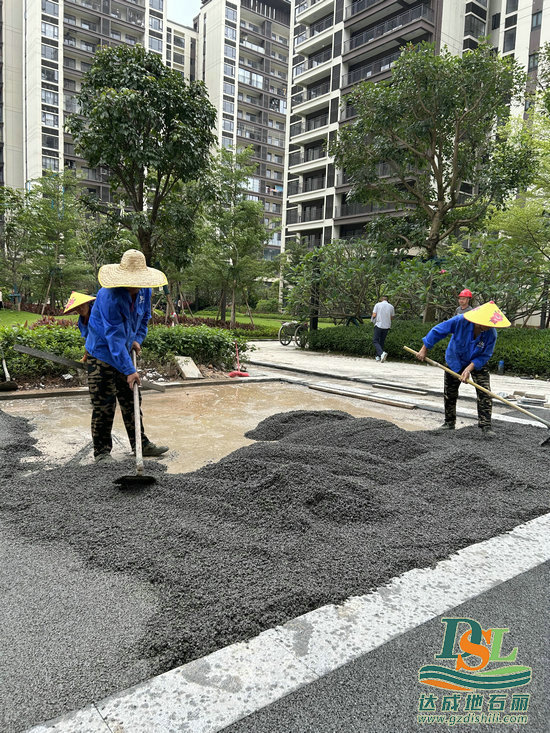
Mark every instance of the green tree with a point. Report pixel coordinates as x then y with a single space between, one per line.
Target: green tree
348 277
14 243
150 128
435 140
233 233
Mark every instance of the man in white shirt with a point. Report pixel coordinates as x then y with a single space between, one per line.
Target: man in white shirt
382 316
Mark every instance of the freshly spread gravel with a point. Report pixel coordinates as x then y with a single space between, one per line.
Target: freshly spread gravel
323 507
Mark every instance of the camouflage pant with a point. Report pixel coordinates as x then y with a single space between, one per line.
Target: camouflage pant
484 402
106 385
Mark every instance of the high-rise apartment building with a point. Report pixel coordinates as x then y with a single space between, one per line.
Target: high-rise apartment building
243 52
337 44
47 47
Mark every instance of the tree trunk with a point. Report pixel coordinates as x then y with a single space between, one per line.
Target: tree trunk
233 321
314 301
248 310
223 305
144 239
46 298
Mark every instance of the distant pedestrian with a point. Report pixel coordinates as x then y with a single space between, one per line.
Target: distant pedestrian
1 301
382 316
464 302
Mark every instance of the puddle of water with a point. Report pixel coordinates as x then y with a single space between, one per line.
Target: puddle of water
200 425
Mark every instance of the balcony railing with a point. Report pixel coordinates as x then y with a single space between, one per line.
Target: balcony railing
421 11
355 209
253 46
365 72
348 112
292 216
312 93
309 184
358 7
312 214
314 30
297 128
302 7
297 158
312 62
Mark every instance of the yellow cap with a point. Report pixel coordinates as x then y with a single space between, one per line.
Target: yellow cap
75 300
488 314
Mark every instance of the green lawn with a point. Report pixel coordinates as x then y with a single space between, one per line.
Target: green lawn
9 317
262 319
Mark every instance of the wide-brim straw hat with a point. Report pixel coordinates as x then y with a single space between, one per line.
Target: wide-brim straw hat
132 272
488 314
75 300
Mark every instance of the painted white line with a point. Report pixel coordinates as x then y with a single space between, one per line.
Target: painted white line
87 720
209 694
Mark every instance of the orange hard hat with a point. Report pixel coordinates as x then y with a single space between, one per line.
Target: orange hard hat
465 294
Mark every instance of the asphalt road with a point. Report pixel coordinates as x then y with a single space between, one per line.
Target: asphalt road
380 692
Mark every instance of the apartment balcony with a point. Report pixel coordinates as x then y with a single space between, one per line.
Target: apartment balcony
313 98
378 69
348 113
315 37
245 43
311 130
260 9
315 67
361 211
295 188
408 26
308 11
299 158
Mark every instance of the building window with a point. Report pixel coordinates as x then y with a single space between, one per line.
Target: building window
254 184
178 41
50 8
69 62
50 120
179 58
230 33
228 106
155 23
229 51
511 6
155 44
156 4
50 164
536 20
50 141
70 19
228 70
116 35
228 88
132 40
50 97
48 52
474 26
495 21
49 30
227 142
228 125
509 40
50 75
231 14
533 61
88 25
69 84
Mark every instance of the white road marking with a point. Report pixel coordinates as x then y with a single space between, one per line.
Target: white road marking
209 694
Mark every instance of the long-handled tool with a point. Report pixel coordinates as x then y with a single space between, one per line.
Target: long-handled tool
482 389
48 356
237 372
139 479
8 385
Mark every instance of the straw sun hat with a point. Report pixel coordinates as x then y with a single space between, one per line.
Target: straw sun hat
132 272
488 314
76 300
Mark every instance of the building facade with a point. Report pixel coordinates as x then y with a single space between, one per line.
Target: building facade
338 44
244 60
48 46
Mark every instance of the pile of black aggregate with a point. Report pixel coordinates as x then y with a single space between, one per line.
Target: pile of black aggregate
322 507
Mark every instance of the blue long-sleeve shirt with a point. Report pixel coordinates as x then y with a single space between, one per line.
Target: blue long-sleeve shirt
463 348
116 321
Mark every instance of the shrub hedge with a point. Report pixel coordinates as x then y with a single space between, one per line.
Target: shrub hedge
203 344
525 351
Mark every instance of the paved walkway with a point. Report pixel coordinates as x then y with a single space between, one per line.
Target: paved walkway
422 376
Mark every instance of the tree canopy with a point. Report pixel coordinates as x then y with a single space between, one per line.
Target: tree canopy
153 131
435 141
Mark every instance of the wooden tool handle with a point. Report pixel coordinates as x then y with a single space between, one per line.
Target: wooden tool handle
137 422
481 389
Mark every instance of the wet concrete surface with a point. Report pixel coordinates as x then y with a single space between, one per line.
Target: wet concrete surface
200 425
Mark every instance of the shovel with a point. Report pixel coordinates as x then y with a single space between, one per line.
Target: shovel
491 394
8 385
139 479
